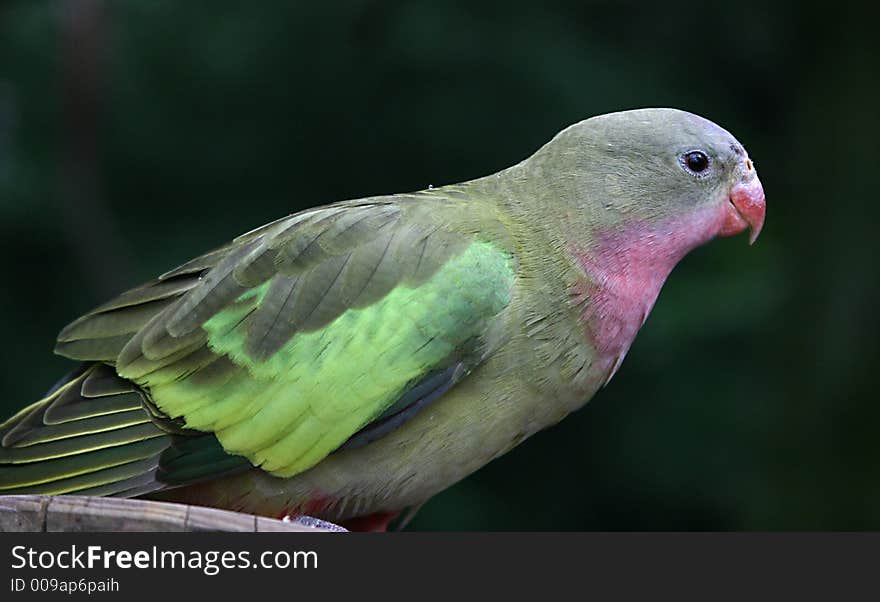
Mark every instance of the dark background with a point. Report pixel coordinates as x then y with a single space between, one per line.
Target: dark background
134 135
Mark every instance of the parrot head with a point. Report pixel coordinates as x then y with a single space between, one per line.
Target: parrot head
660 171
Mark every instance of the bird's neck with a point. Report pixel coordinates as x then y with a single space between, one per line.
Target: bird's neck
620 261
623 270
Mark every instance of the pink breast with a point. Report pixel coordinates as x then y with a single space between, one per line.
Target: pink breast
624 269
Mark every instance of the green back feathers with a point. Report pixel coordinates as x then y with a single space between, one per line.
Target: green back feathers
298 335
288 411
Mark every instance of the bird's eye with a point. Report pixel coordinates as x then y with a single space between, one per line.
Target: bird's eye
696 161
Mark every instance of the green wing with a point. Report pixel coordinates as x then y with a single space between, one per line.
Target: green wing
321 328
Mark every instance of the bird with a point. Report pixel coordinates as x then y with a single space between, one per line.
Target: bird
350 361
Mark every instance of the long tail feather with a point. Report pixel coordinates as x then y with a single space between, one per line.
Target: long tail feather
96 433
90 435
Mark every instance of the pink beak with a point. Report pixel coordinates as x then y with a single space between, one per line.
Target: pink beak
746 208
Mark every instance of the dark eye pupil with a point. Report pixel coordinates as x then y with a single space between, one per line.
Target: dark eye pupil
696 161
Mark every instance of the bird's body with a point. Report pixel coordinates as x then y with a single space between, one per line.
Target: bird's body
355 359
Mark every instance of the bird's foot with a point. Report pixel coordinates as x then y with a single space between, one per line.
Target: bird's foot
374 523
312 522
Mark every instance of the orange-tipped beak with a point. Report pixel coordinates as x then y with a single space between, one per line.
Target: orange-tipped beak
746 208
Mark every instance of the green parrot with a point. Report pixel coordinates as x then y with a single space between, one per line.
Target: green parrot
350 361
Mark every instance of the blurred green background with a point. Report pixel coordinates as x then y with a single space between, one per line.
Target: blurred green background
134 135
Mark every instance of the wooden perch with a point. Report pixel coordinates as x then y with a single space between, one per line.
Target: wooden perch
34 513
